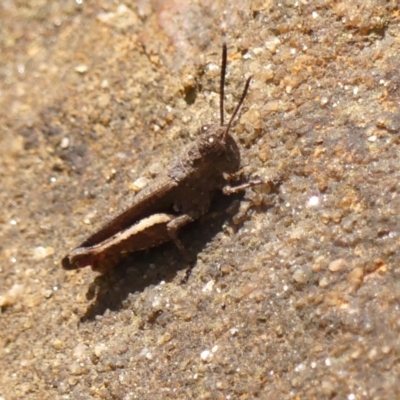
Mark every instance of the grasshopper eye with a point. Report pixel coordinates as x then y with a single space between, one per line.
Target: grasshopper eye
209 129
206 130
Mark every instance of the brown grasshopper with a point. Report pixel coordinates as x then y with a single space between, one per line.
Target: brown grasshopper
174 198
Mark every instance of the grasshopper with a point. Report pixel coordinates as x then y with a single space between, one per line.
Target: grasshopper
176 197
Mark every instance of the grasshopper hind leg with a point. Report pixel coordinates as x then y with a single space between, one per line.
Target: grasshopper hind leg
173 228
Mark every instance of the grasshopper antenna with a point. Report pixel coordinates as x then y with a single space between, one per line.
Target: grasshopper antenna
222 87
246 88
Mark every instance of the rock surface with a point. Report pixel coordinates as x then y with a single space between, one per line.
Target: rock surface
294 292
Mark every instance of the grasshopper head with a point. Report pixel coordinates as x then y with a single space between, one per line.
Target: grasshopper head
220 147
215 141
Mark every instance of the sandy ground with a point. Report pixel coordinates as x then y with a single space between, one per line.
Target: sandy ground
294 293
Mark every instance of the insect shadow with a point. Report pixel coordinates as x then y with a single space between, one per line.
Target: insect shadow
176 198
109 291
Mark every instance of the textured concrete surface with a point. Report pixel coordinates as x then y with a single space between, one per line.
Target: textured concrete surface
294 293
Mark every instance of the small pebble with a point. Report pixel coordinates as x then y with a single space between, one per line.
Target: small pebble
40 252
64 143
81 68
301 275
205 354
208 286
337 265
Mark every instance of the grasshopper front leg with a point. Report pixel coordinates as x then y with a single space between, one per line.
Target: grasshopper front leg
235 189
